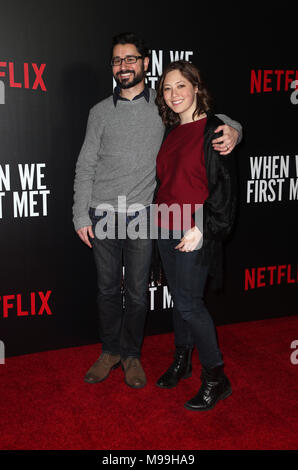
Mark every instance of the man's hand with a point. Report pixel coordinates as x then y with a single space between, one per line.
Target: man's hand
225 144
190 240
84 234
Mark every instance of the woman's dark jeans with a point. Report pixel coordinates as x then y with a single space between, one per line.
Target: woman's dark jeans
192 322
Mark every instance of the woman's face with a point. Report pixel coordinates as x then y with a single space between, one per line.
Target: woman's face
180 95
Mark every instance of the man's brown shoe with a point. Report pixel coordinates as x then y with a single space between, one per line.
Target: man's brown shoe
100 370
134 373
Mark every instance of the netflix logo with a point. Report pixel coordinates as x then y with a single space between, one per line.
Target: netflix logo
27 75
21 305
269 81
255 278
262 81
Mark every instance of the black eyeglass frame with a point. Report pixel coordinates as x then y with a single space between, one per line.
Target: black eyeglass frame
135 57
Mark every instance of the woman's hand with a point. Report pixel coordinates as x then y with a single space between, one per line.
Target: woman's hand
190 240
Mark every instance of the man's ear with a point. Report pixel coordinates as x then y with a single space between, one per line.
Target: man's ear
146 63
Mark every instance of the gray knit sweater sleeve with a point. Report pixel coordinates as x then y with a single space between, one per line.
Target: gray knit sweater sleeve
86 168
236 125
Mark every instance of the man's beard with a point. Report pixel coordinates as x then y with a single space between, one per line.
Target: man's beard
125 83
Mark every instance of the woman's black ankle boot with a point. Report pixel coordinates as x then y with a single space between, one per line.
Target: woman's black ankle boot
215 386
179 369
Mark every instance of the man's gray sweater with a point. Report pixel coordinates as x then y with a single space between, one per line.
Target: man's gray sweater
118 156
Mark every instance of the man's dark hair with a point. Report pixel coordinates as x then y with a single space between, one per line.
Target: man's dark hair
131 38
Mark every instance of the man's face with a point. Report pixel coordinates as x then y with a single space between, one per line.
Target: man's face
129 75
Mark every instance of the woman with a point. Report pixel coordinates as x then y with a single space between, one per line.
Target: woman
195 179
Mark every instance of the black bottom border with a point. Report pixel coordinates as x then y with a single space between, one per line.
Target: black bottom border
143 458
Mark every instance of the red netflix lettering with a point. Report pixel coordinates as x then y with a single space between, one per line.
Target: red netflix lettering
280 273
6 305
33 311
289 279
278 73
250 278
12 83
264 81
2 64
23 80
39 80
255 81
23 305
267 80
26 75
44 300
261 276
21 313
269 276
288 80
271 269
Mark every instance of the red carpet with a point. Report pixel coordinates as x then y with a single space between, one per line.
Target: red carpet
46 405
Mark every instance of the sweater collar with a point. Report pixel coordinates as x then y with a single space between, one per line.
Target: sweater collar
117 96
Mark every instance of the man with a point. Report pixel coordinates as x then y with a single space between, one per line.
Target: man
124 133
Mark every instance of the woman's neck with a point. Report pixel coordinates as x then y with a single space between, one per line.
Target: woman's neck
188 119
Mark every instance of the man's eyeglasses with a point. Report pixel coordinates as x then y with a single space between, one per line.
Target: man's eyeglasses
129 59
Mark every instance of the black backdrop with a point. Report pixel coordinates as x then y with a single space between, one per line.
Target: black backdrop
54 65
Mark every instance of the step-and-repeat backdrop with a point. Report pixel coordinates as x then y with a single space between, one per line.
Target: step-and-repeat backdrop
54 66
